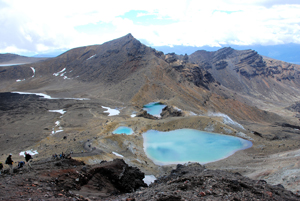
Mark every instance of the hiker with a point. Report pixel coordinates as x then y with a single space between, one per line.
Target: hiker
62 155
54 156
28 158
10 162
21 164
1 167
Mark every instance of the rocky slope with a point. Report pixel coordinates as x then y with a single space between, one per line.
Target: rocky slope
67 179
247 72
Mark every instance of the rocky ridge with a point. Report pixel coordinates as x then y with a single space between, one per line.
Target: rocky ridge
68 179
194 182
247 72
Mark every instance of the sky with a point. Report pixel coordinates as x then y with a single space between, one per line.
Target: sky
34 26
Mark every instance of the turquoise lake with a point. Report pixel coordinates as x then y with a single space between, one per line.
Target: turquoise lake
189 145
123 129
154 108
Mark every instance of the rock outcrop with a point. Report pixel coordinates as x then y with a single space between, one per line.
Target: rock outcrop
145 114
194 182
170 111
68 179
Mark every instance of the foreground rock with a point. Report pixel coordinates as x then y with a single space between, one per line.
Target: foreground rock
68 179
194 182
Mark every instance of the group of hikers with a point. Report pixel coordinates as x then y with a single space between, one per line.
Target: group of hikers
28 159
10 162
62 156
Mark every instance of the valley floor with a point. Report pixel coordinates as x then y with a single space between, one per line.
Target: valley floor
87 133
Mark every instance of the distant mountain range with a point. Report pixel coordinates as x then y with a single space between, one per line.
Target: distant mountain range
286 52
14 59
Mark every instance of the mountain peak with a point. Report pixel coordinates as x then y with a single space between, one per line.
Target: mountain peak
127 37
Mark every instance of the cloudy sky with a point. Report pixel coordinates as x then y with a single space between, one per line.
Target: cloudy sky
35 26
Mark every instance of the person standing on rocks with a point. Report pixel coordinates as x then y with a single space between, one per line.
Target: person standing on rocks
9 162
1 167
28 158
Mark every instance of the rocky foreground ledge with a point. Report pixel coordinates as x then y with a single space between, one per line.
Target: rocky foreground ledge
68 179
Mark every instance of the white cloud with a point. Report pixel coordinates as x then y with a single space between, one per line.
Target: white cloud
34 26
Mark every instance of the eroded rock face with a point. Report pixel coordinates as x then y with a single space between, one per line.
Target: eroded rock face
118 174
170 111
145 114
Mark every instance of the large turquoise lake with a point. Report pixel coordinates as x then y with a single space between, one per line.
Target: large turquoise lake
154 108
189 145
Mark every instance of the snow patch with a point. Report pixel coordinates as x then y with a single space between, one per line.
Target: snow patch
57 128
20 80
119 155
59 111
33 70
91 57
31 152
149 179
56 131
133 115
59 73
38 94
112 112
11 64
49 97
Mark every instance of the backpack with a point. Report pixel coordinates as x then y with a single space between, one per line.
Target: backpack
1 166
6 162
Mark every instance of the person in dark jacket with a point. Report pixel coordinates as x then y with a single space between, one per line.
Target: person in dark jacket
10 162
28 158
1 167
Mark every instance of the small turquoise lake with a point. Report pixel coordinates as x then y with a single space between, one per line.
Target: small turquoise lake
123 129
154 108
189 145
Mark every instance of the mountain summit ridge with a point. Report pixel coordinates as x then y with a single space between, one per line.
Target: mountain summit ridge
125 59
